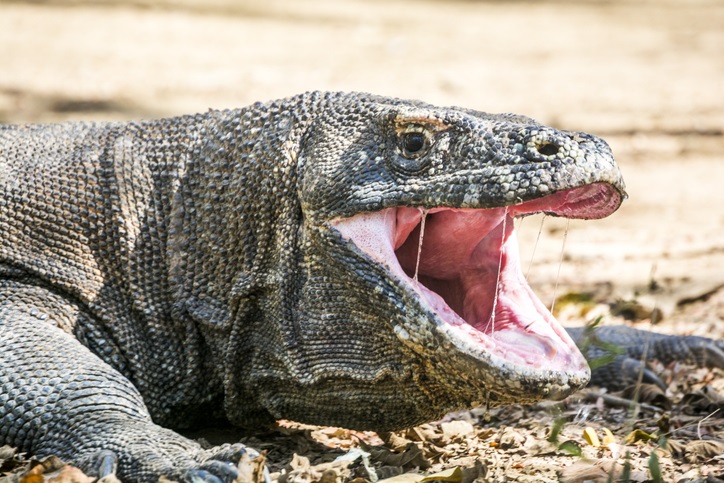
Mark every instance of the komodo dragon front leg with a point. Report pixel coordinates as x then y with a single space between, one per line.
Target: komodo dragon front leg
331 258
58 398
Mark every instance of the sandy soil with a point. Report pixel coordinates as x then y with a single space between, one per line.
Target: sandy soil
645 75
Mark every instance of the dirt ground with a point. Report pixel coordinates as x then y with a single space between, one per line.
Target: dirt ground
645 75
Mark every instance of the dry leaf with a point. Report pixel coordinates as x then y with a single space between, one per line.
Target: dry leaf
395 441
455 429
300 470
71 474
705 400
541 448
452 475
608 438
403 478
411 456
10 460
598 471
702 449
6 453
38 469
33 475
589 434
638 435
425 432
251 471
649 394
328 476
583 471
511 438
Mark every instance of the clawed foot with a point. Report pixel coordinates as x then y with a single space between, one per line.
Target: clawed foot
227 463
144 452
618 354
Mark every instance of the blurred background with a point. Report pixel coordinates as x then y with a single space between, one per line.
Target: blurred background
648 76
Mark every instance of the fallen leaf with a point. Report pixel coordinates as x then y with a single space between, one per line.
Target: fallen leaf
328 476
411 456
299 469
541 448
387 472
589 434
71 474
701 449
403 478
600 471
6 453
395 441
675 447
452 475
421 433
570 448
37 470
648 393
33 475
705 400
583 471
455 429
511 438
478 471
608 437
638 435
10 460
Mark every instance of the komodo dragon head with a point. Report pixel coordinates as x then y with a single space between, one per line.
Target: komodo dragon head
391 330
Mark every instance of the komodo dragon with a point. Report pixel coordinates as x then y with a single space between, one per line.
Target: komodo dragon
263 263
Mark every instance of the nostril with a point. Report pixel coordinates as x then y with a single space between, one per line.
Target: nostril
548 149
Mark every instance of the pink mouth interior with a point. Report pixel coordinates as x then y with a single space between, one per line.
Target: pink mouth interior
467 270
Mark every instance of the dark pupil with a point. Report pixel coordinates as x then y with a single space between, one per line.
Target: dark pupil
413 142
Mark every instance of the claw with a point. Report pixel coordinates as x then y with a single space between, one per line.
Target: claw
107 463
101 464
226 471
201 476
632 368
234 453
708 353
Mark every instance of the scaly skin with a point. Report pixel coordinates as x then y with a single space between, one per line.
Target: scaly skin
175 272
631 348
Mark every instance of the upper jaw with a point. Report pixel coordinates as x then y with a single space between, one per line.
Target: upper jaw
466 275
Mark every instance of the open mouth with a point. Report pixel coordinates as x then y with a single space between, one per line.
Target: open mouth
464 266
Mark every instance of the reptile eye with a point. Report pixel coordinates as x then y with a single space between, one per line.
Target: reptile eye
413 142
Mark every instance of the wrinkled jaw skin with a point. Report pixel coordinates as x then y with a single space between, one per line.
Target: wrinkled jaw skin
462 267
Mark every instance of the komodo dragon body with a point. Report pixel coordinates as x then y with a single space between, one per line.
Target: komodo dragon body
332 258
